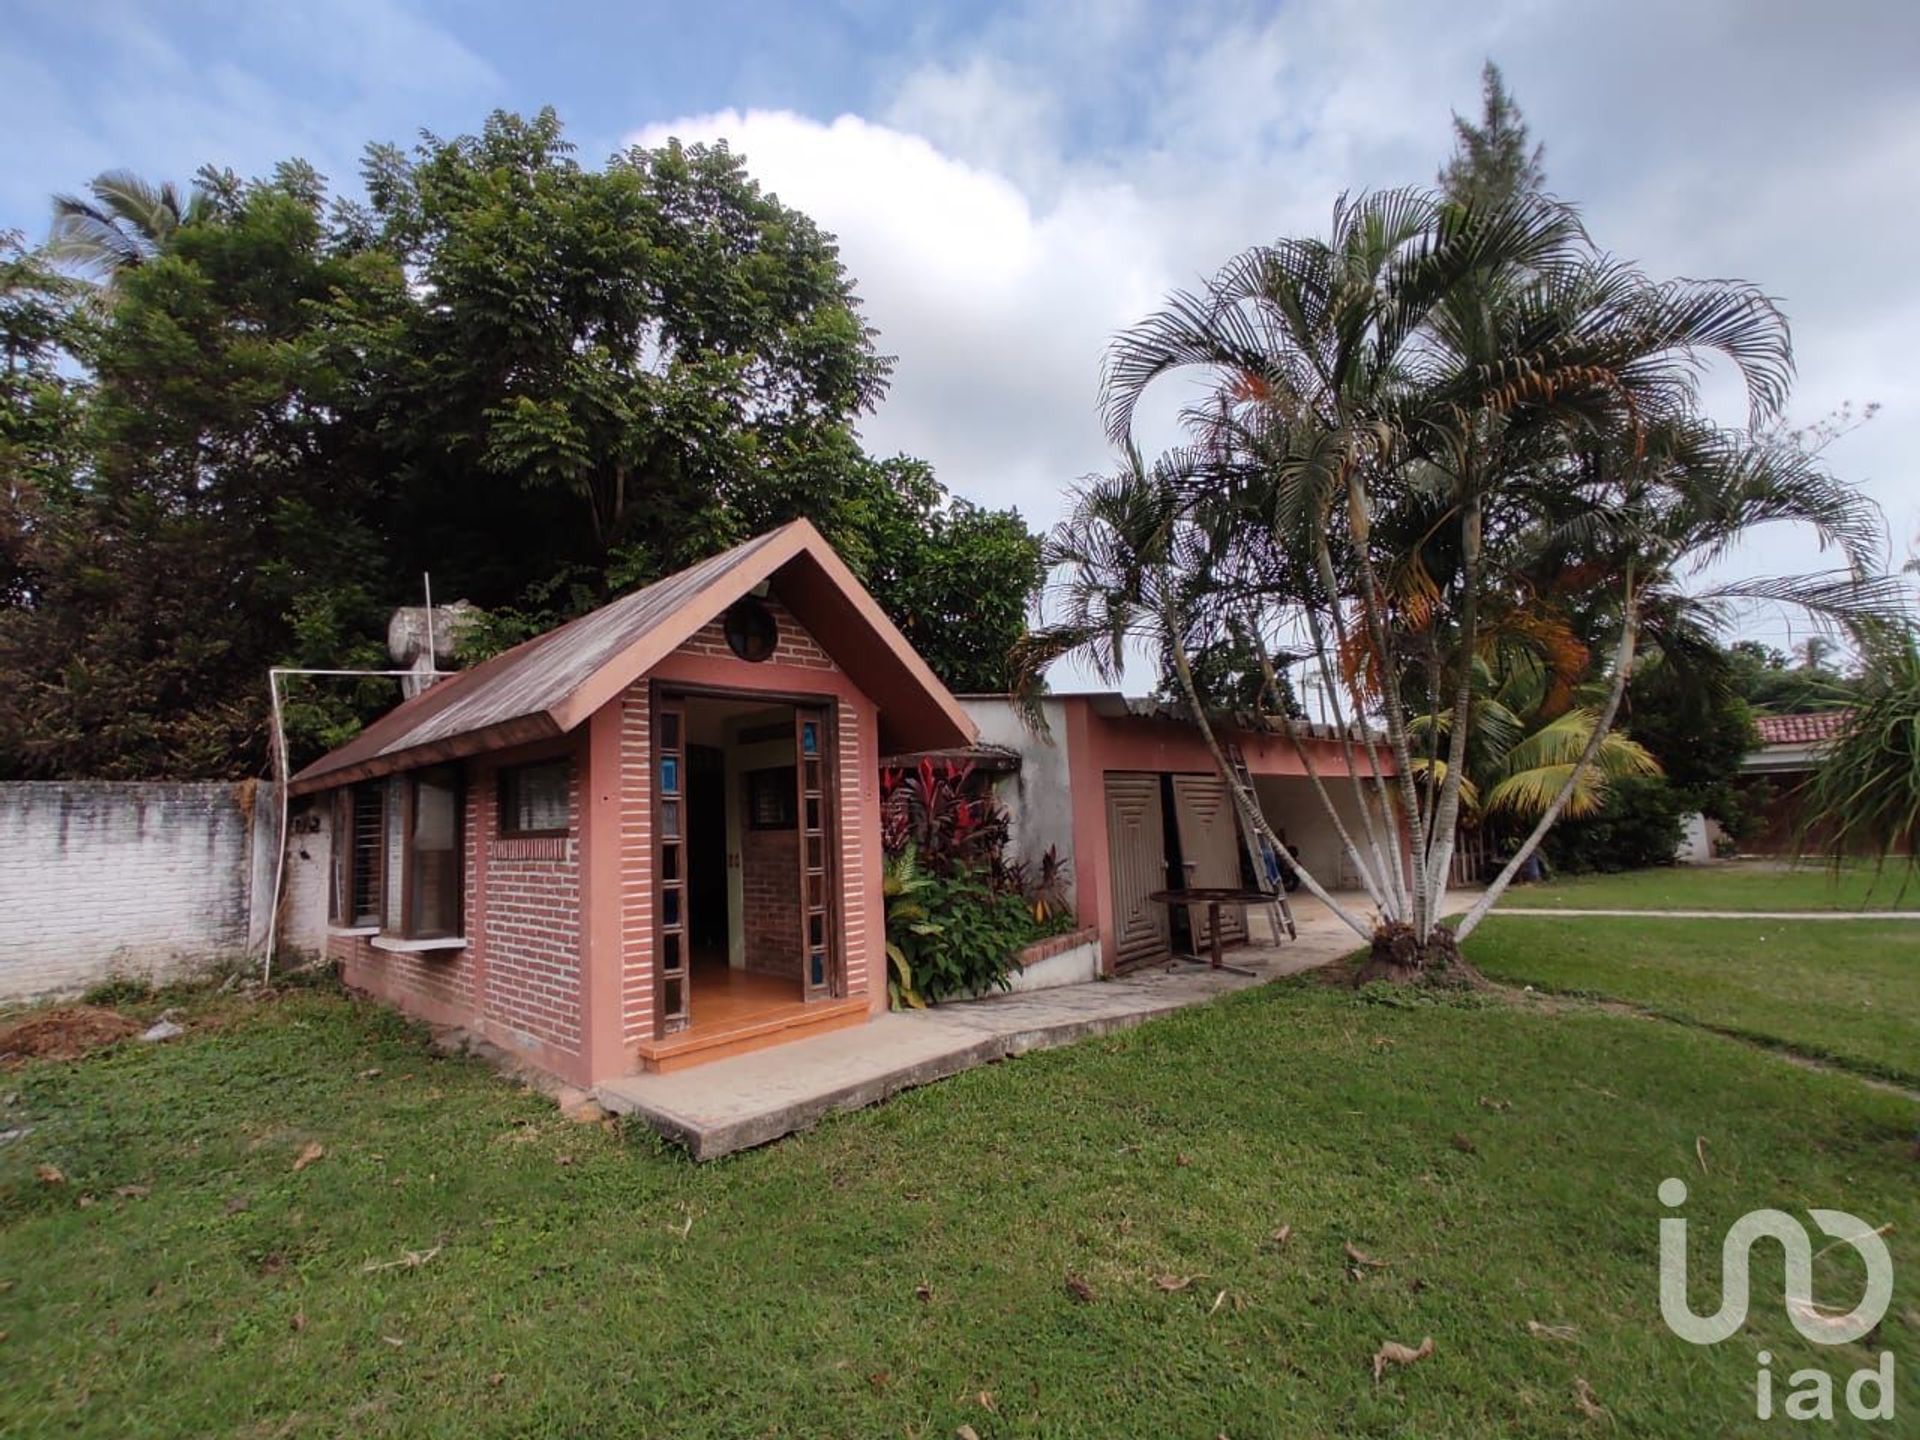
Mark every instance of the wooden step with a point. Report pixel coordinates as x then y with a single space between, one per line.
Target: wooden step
774 1027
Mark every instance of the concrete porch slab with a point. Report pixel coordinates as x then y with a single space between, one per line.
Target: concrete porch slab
747 1100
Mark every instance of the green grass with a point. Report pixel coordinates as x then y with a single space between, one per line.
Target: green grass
1738 885
590 1283
1845 990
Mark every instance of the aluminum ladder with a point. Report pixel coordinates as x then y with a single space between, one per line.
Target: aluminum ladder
1266 861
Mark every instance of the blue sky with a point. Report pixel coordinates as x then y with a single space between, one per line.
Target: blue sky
1011 183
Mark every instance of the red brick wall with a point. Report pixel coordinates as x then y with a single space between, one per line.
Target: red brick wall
793 647
529 922
770 901
518 979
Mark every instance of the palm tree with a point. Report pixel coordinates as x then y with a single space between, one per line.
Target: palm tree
1400 419
124 225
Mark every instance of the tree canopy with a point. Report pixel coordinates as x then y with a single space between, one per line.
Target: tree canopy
541 381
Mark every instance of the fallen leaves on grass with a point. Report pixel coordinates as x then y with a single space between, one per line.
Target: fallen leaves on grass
966 1432
1587 1402
238 1204
1550 1332
1392 1352
314 1150
133 1192
1079 1289
409 1260
1488 1102
923 1292
1362 1260
1700 1152
1463 1144
49 1174
1282 1235
1174 1284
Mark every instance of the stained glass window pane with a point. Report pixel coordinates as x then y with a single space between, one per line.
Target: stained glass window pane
670 732
817 968
809 738
669 775
670 819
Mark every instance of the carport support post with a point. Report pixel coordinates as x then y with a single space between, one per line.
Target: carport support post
602 991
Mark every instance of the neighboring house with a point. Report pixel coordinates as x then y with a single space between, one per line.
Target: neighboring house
1772 775
648 837
1126 793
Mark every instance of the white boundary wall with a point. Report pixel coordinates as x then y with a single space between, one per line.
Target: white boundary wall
102 879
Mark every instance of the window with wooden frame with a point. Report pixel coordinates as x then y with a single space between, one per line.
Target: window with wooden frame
533 800
430 857
771 801
358 865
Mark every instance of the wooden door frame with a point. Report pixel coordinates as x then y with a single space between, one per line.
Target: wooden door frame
661 692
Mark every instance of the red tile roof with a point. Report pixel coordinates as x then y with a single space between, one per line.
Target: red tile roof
1809 729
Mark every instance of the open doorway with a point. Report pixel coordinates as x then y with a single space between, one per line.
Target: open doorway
746 917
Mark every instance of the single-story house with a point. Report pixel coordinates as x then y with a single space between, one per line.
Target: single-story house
1125 793
651 837
1772 775
648 837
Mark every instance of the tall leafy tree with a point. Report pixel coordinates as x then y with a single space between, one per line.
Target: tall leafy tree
1496 159
957 578
624 368
542 382
227 497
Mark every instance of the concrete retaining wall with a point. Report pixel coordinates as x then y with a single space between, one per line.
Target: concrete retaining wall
100 879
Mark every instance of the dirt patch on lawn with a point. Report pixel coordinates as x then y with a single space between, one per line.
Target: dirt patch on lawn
65 1034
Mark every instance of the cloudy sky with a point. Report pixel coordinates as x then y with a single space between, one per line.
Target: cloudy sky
1012 183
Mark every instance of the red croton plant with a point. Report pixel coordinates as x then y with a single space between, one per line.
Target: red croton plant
940 810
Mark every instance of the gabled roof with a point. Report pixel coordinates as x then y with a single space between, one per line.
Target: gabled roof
553 682
1806 729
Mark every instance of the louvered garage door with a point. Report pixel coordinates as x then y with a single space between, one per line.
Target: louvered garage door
1210 842
1136 854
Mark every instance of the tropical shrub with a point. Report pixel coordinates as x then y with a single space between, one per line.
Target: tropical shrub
1638 826
958 911
956 935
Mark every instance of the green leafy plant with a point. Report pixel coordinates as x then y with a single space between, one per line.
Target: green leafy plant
902 886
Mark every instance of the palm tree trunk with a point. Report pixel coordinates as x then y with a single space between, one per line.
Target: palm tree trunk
1313 776
1446 818
1374 613
1622 668
1391 864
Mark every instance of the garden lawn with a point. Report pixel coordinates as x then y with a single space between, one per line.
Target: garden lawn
1076 1243
1737 885
1842 990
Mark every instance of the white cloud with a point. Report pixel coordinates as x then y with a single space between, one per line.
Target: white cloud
1016 203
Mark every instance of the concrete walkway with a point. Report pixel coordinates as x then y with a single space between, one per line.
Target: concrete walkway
1557 913
748 1100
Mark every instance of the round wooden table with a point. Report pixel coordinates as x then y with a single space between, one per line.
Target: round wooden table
1213 897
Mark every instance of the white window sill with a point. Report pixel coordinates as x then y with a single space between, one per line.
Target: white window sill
410 947
353 930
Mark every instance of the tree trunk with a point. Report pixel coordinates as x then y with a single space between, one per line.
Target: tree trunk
1249 813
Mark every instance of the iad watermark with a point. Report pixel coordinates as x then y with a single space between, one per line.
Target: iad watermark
1811 1397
